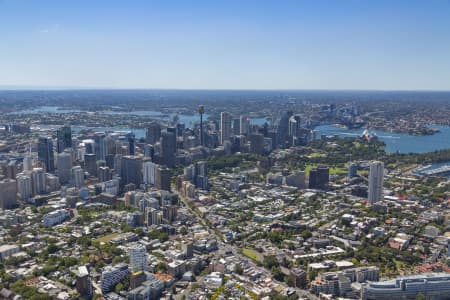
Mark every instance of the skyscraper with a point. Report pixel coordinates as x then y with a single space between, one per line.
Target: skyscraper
244 125
168 147
153 133
256 143
64 138
236 126
84 285
24 186
149 172
131 170
162 179
38 181
64 164
100 146
90 163
138 258
8 194
27 162
376 176
45 153
283 128
294 129
131 143
225 127
319 177
77 176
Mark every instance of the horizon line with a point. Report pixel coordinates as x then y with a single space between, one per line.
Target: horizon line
45 88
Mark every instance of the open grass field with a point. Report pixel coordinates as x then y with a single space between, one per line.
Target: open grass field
107 238
252 254
333 170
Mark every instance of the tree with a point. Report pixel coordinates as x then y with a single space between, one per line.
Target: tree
161 267
420 296
118 288
276 272
270 261
238 269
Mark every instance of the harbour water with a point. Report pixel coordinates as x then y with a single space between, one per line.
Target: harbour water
397 142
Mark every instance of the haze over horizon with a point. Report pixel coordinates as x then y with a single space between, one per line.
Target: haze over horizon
296 45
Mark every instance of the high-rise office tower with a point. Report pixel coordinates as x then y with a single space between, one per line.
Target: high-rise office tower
45 153
236 126
153 133
8 194
138 258
244 125
27 162
162 178
90 163
283 128
319 177
100 145
149 151
24 186
77 176
168 147
64 138
10 169
38 181
294 129
89 146
201 175
225 127
256 143
131 170
64 165
110 145
131 143
376 176
149 172
104 174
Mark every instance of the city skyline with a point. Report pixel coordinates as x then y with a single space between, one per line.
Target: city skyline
324 45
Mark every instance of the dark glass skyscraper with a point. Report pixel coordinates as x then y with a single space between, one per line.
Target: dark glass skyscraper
131 170
168 147
153 133
131 143
45 153
64 138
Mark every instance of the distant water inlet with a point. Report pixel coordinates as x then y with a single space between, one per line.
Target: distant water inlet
397 142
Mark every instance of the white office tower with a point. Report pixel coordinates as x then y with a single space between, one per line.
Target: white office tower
27 163
244 125
376 175
77 176
24 186
138 258
64 165
225 127
149 171
38 181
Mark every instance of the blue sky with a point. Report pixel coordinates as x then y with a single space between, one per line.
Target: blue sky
316 44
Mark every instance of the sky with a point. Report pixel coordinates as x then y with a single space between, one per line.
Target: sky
215 44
